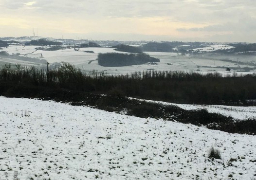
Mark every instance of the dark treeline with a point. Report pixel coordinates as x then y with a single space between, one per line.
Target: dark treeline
4 53
245 48
126 48
117 59
157 47
182 87
53 48
90 44
3 43
178 87
69 84
43 42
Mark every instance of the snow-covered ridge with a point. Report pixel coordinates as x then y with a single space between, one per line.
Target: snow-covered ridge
45 139
213 48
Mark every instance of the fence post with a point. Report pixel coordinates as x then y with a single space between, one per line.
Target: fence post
47 71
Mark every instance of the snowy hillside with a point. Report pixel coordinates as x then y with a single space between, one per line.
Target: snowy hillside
42 139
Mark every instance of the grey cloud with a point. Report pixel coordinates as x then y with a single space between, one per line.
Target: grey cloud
243 25
234 37
223 15
10 4
183 10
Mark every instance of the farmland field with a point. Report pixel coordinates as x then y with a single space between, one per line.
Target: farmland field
86 60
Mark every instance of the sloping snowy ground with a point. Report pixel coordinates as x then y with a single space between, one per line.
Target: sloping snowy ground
237 112
42 139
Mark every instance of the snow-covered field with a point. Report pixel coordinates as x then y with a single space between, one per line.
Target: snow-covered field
214 48
168 61
44 139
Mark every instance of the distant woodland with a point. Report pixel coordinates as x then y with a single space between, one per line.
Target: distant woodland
126 48
245 48
43 42
90 44
3 44
3 53
117 59
157 47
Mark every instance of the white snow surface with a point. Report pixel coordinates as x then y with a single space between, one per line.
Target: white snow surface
45 139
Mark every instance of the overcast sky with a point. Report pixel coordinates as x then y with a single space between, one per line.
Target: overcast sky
170 20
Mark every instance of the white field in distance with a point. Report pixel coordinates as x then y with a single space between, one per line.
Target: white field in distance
168 61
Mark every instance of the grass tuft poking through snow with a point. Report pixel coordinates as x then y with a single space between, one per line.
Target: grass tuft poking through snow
214 154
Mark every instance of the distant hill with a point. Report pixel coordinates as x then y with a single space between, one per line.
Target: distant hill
245 48
3 43
117 59
43 42
54 48
126 48
90 44
3 53
157 47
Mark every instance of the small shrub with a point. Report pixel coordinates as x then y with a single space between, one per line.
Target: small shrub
231 161
214 154
117 93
